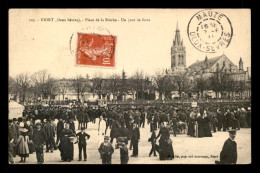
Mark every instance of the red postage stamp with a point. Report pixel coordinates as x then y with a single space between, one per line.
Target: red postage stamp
96 50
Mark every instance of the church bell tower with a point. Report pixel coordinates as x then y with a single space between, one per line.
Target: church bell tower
178 53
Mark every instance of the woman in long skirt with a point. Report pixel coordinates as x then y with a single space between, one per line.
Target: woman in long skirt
207 126
191 125
165 145
201 124
66 146
22 144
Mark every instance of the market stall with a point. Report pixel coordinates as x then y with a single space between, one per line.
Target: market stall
15 110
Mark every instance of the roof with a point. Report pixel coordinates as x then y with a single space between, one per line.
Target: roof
14 105
201 64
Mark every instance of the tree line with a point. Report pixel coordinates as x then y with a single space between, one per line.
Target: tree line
42 84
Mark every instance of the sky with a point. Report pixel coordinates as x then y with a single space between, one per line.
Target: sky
143 46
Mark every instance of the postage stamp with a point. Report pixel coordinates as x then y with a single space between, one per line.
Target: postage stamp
210 31
96 50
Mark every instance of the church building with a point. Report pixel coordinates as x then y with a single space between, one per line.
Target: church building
207 67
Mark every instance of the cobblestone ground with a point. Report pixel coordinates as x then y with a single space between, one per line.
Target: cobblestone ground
187 150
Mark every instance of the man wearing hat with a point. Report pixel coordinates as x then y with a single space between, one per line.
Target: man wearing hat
39 140
60 127
15 130
228 155
49 135
135 139
82 137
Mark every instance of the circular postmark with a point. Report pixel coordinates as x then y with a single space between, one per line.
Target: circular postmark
210 31
93 46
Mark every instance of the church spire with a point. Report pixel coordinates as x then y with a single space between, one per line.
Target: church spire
241 64
178 52
206 59
177 35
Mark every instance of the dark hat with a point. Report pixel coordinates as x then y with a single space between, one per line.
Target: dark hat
20 119
232 131
14 119
106 137
82 128
10 120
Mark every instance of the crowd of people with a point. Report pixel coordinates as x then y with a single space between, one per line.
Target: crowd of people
37 128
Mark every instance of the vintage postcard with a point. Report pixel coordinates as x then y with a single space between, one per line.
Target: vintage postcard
129 86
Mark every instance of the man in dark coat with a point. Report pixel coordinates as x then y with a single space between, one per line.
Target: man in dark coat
175 125
220 119
249 117
135 139
15 129
142 119
137 117
124 132
49 135
237 123
60 127
115 131
82 143
228 155
39 140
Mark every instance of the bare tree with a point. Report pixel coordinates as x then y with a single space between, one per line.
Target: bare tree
123 85
112 84
98 84
163 83
64 87
45 83
81 86
12 87
137 83
182 82
23 83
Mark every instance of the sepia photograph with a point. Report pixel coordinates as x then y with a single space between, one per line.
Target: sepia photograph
129 86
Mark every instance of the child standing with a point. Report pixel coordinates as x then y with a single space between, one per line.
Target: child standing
106 150
152 139
22 143
124 152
